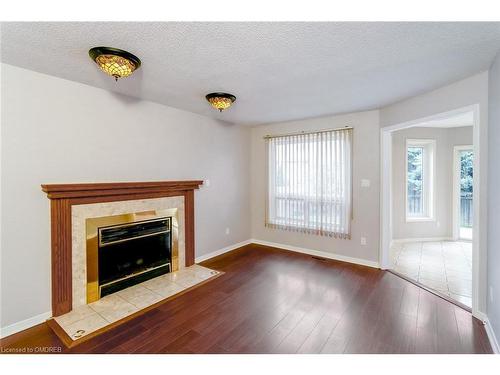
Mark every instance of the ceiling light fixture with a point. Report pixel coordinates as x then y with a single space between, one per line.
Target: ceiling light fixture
114 61
221 100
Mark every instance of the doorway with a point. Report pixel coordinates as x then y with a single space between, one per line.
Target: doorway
448 263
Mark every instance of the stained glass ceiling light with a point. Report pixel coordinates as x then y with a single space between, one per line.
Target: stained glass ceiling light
220 100
115 62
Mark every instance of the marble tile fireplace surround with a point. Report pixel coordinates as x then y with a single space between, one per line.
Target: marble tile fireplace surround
73 206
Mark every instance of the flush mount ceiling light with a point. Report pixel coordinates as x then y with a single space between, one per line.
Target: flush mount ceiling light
220 100
114 61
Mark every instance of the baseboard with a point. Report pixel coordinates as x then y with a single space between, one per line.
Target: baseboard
318 253
421 239
24 324
491 336
215 253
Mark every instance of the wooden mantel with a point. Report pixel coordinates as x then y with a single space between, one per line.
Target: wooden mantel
64 196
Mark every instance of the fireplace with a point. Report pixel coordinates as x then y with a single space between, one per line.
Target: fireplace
132 253
124 250
107 237
75 272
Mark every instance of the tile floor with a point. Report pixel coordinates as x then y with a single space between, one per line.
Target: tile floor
445 266
89 318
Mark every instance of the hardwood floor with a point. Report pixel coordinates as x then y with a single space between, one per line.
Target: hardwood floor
276 301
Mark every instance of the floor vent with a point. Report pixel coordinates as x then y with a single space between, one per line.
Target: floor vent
320 259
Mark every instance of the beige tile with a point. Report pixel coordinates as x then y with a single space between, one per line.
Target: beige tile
450 255
466 245
432 252
460 286
409 272
163 287
74 315
464 275
462 299
464 268
433 264
437 267
202 272
433 275
186 272
113 308
85 326
140 296
409 258
433 284
432 259
408 263
436 246
188 281
453 249
456 262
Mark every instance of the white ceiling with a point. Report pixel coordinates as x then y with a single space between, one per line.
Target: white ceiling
278 71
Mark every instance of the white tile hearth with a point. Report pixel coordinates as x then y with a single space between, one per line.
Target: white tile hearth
86 319
139 296
113 308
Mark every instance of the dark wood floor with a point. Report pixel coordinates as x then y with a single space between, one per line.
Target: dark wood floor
275 301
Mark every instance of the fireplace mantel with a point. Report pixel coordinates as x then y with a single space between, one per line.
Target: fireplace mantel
60 191
64 196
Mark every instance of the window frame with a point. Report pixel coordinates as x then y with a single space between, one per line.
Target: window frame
428 179
278 223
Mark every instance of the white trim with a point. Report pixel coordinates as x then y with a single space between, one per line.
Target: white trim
302 250
491 336
385 198
478 244
456 187
24 324
318 253
226 249
422 239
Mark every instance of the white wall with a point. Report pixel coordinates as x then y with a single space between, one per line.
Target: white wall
467 92
446 139
365 200
58 131
494 198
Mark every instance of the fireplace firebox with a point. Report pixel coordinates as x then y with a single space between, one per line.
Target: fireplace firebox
132 253
127 249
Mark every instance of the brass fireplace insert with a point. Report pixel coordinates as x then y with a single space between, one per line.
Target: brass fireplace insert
92 236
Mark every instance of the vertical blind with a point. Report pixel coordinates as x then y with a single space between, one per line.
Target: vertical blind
309 183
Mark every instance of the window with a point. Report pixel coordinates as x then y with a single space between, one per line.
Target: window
309 183
420 179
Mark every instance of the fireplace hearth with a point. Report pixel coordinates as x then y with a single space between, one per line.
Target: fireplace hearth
72 204
106 237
